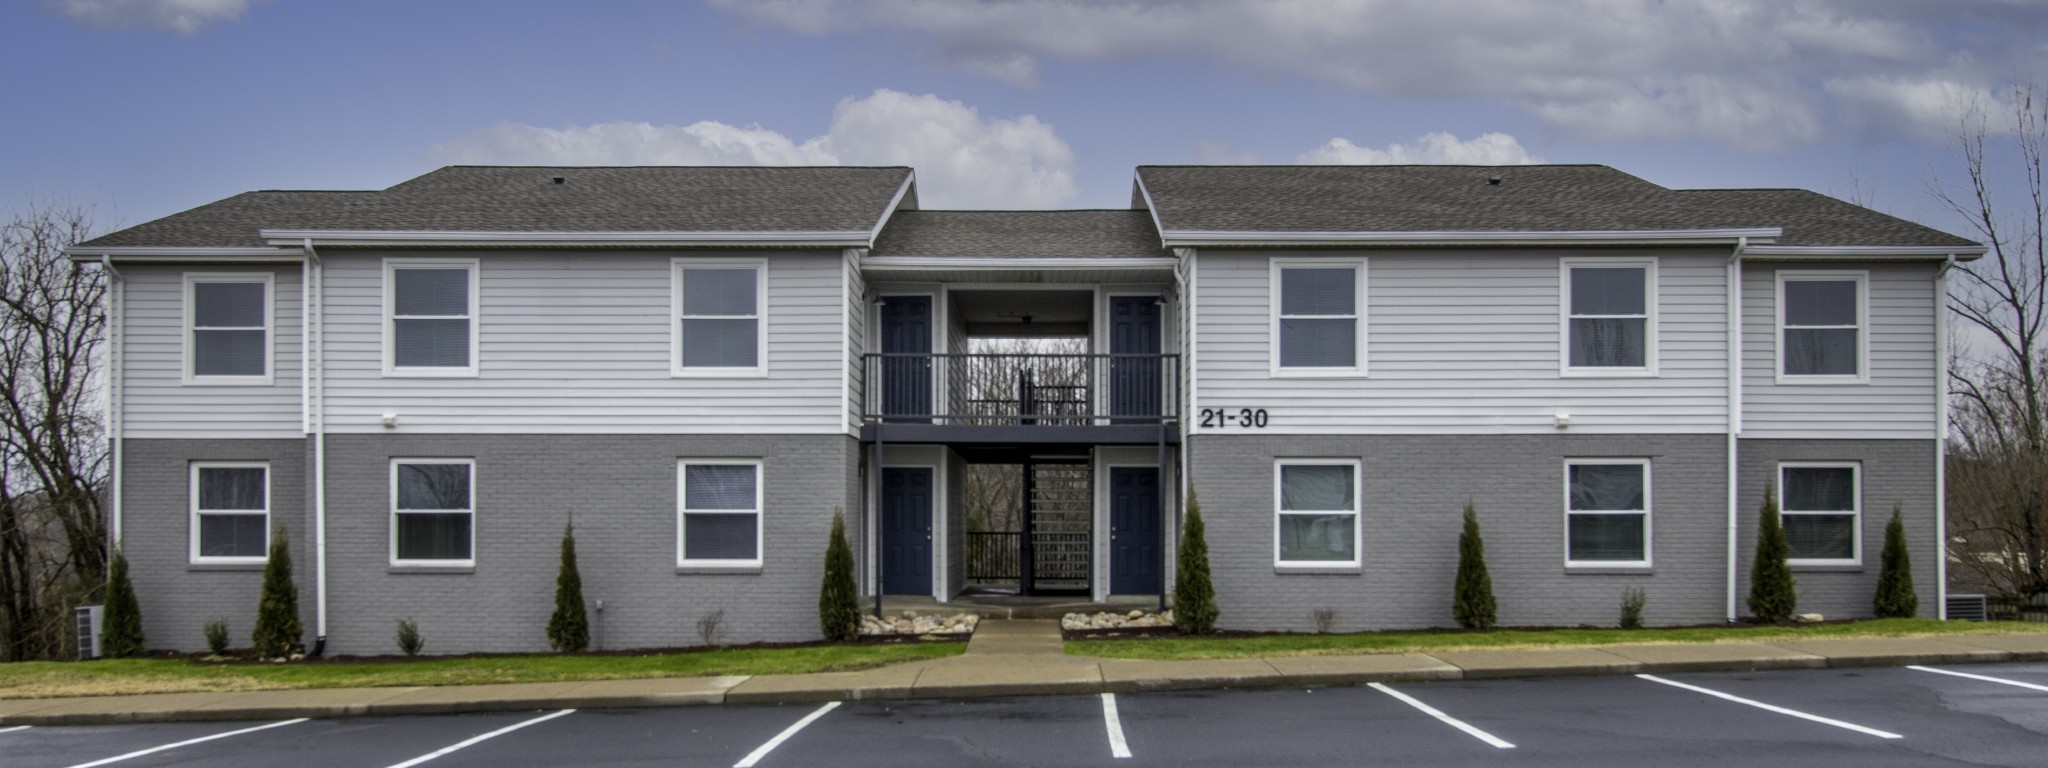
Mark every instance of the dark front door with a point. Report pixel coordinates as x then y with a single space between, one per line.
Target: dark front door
907 530
907 381
1134 382
1134 531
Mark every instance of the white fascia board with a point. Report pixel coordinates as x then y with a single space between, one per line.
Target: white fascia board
1864 252
1139 178
889 212
365 237
1018 262
265 254
1465 237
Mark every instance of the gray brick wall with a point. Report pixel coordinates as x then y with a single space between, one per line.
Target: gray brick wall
179 598
1894 472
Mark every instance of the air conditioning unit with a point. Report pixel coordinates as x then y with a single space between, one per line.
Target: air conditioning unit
87 618
1967 608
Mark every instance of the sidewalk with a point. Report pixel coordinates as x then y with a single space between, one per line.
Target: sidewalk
1018 657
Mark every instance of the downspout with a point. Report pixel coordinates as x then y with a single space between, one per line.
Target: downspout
1734 416
1941 438
313 365
116 329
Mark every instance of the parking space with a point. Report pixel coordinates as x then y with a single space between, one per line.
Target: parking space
1974 715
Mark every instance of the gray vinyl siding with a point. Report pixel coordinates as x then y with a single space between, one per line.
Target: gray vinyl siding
579 342
856 340
1899 400
1466 342
157 403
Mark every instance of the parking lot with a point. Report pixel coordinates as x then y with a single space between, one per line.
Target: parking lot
1868 718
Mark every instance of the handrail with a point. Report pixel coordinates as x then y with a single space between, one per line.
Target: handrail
1034 389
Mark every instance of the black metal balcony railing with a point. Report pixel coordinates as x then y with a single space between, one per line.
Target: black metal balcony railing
1020 389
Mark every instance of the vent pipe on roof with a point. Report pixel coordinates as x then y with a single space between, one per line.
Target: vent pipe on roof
561 179
1493 181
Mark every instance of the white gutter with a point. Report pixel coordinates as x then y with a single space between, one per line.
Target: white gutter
1734 271
1941 440
116 329
255 254
314 353
1018 262
1466 237
858 238
1865 252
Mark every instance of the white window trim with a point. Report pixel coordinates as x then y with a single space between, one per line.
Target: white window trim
1862 280
1856 515
199 559
760 513
1357 513
391 266
1564 317
470 562
1357 263
1649 516
676 317
269 282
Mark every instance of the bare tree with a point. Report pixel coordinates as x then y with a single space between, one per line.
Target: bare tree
1998 466
53 462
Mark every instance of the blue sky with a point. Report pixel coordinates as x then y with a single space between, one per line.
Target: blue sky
145 107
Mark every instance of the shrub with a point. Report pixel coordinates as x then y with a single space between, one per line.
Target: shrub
1772 595
1194 597
1632 600
707 626
1473 604
121 619
1895 597
838 598
277 632
569 627
410 642
217 637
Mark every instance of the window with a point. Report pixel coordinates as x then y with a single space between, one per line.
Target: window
1607 513
1317 513
1822 513
433 512
719 323
720 515
1610 316
1821 318
432 309
230 512
228 322
1317 309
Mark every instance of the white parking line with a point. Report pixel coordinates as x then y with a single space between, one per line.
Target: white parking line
466 743
763 750
186 743
1489 738
16 728
1118 748
1773 708
1985 678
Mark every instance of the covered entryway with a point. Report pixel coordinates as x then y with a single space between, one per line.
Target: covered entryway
1135 531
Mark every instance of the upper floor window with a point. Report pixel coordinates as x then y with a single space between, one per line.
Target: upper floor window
433 512
1822 513
1821 317
1318 317
228 328
430 306
1607 512
1610 316
1316 513
719 322
230 512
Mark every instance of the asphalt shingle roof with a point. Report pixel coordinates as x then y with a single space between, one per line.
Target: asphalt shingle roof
527 199
1424 198
1020 234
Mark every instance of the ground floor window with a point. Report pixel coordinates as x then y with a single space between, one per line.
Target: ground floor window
719 515
1316 521
433 513
1822 511
1607 512
230 512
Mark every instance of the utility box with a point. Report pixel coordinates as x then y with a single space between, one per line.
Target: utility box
87 618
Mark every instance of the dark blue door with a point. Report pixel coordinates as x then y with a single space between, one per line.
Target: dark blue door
907 381
907 530
1134 382
1135 532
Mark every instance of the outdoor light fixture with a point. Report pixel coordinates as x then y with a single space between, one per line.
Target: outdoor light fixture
390 420
1564 420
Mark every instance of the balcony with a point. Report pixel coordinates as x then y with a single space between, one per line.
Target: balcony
1100 399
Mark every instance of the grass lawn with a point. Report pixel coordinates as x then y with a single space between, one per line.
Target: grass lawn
1235 647
38 679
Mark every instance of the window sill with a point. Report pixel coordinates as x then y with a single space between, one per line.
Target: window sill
231 382
1609 570
716 373
1596 373
1318 570
1311 373
1822 381
224 566
444 569
718 570
1827 568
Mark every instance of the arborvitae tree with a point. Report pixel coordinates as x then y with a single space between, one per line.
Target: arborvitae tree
121 619
1473 605
1895 597
277 632
1194 597
569 628
838 600
1772 594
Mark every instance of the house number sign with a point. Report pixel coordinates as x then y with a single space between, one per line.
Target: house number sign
1224 418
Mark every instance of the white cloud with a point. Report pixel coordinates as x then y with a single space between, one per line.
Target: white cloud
1746 73
1924 109
1437 148
962 160
185 16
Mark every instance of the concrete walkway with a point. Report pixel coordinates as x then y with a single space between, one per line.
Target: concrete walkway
1014 657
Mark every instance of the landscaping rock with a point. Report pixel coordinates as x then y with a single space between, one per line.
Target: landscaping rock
1133 619
912 624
